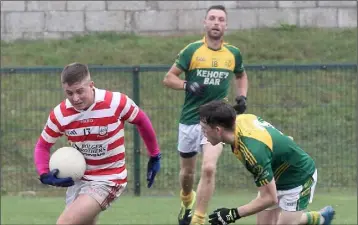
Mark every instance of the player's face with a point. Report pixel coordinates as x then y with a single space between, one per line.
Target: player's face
215 24
80 94
213 134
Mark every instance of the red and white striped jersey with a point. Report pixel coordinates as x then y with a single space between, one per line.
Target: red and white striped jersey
97 132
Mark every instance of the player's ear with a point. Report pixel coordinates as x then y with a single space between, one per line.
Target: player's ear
218 129
204 22
91 84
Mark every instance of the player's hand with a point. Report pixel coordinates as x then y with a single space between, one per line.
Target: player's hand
240 105
224 216
50 178
153 169
195 88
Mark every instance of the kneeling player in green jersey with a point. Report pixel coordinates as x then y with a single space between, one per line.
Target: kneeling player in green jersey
284 174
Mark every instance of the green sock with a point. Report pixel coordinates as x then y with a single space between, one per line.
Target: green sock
313 218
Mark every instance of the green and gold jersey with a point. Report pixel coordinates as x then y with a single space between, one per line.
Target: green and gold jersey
214 68
267 153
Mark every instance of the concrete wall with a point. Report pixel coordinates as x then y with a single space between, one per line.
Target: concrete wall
62 19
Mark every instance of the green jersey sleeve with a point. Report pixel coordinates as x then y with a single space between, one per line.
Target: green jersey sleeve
259 159
183 59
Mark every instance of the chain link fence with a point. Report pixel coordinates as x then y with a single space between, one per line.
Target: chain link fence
316 104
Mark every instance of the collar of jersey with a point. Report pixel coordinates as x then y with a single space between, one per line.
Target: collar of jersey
206 45
97 98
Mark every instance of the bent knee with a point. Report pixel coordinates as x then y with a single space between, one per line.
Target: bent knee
208 170
188 171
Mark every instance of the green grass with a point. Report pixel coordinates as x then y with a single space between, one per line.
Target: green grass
158 209
316 107
258 46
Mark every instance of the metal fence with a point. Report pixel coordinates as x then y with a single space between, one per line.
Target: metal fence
316 104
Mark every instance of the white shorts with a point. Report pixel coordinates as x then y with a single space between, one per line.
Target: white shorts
296 199
103 193
190 138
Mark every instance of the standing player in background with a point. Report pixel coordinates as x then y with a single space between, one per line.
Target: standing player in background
209 65
93 121
285 175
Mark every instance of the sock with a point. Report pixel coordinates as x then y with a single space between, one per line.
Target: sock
198 218
314 218
186 199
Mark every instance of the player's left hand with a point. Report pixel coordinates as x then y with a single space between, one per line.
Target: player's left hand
224 216
153 168
240 105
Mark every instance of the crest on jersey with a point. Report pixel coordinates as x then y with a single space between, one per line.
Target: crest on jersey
103 130
228 63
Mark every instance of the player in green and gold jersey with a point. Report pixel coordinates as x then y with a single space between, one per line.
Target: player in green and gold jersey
284 174
209 65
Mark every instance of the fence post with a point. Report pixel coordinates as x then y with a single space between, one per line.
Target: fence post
136 137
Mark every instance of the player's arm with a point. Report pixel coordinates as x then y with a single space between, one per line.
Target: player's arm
260 167
130 112
181 64
259 164
267 198
242 84
49 136
172 79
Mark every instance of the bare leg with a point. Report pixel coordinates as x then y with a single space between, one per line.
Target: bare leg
268 217
83 210
289 218
187 174
206 185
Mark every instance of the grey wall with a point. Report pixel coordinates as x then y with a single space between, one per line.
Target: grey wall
62 19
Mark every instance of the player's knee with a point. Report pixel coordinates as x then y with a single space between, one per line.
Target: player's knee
187 172
208 170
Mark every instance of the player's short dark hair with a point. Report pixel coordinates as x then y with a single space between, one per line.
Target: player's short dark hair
73 73
217 7
218 113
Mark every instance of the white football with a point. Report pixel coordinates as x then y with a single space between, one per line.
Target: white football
70 163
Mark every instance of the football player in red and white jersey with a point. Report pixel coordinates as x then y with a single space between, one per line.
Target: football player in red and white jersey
93 121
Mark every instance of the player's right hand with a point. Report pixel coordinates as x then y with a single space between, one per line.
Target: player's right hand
224 216
195 88
50 178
